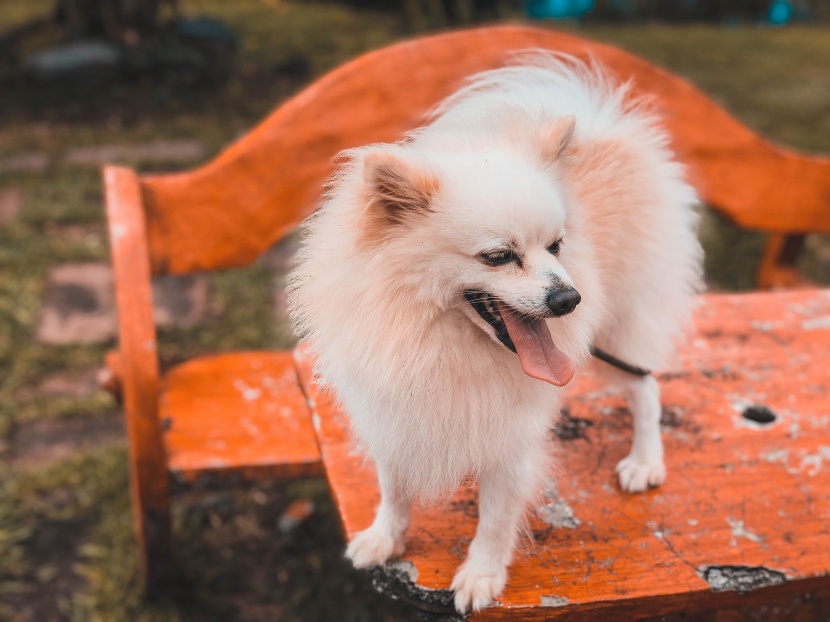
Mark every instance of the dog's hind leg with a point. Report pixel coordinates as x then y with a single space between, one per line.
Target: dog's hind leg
385 538
643 466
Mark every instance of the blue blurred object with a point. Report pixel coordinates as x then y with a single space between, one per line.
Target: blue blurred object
206 29
80 61
557 9
780 12
628 9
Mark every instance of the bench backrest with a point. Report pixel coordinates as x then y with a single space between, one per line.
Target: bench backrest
227 212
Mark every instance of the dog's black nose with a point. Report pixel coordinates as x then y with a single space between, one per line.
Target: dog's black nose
563 300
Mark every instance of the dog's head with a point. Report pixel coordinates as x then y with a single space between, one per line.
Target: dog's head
484 231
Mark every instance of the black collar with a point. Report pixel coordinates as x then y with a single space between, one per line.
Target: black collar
603 356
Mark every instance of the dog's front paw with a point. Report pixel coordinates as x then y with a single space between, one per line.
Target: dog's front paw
476 586
373 547
636 474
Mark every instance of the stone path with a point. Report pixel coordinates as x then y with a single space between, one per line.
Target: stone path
34 162
92 236
39 442
180 301
43 441
280 257
79 304
77 383
158 152
10 201
78 307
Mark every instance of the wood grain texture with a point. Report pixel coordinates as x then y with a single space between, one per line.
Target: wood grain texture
227 212
138 373
738 494
242 414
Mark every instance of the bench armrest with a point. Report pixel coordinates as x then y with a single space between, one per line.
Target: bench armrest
139 369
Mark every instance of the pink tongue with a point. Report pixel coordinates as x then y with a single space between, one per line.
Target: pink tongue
539 356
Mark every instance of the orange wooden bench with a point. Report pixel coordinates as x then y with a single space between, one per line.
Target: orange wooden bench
746 504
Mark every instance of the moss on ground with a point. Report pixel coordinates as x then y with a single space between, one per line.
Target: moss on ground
68 552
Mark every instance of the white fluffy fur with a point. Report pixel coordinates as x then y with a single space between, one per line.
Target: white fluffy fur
429 391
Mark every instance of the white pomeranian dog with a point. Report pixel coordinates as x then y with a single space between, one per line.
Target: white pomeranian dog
450 284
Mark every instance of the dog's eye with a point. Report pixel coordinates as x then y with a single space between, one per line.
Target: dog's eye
554 248
498 258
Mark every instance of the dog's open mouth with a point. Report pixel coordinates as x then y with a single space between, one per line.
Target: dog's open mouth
485 306
527 336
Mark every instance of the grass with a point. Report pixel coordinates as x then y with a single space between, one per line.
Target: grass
66 544
233 564
773 80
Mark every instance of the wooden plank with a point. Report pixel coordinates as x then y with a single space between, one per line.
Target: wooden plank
238 414
227 212
139 373
741 498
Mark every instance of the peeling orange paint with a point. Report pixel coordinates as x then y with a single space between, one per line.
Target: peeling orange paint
736 496
227 212
242 413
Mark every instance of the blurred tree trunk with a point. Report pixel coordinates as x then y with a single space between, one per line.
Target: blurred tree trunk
120 21
430 14
116 20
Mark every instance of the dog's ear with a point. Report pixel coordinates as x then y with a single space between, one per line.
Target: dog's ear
396 187
556 137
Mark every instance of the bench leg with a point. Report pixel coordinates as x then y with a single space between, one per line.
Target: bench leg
151 513
778 263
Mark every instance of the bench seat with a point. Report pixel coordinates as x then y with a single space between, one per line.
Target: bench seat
220 414
742 518
238 414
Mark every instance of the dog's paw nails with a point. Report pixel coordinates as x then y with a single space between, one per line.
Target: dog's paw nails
638 475
373 547
476 587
